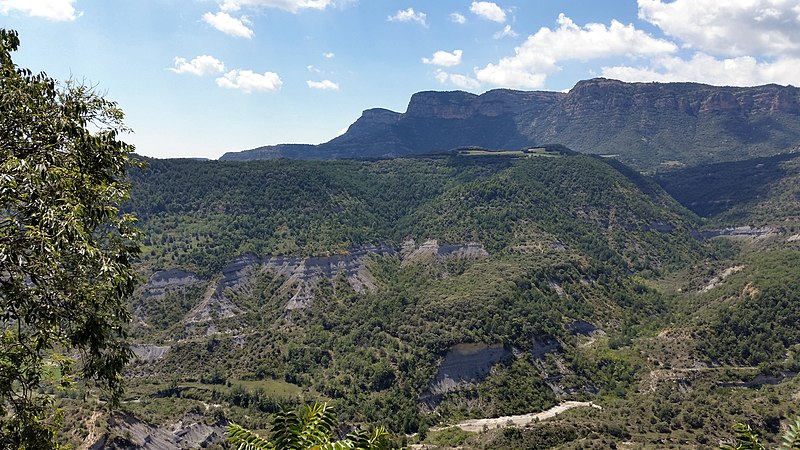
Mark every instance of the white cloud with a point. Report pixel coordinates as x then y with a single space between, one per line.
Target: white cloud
445 59
249 81
324 85
703 68
329 55
409 15
202 65
223 21
505 32
458 18
56 10
729 28
540 54
461 81
489 11
313 69
287 5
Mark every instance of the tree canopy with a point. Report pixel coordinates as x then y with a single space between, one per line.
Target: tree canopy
65 248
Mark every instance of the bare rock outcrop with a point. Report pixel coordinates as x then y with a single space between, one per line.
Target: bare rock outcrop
130 433
467 363
164 280
431 249
149 352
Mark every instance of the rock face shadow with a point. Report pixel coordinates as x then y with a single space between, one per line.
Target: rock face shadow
466 363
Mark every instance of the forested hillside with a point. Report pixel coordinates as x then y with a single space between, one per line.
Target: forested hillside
759 191
199 215
414 293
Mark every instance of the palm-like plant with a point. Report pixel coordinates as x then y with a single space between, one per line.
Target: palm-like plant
310 429
791 437
747 439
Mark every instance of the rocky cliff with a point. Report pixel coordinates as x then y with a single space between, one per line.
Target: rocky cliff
650 126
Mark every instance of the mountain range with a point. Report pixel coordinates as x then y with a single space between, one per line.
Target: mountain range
652 296
649 126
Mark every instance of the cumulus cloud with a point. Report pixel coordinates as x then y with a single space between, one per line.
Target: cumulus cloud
458 18
224 22
324 85
488 11
287 5
458 80
729 28
248 81
505 32
409 15
202 65
540 54
703 68
329 55
55 10
445 59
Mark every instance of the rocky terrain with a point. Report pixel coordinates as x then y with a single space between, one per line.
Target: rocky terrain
299 277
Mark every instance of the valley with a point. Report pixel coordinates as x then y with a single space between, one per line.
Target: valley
379 225
422 292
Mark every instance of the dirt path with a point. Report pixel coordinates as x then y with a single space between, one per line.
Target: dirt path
477 425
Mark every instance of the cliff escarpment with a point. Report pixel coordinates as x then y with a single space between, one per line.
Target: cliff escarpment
649 126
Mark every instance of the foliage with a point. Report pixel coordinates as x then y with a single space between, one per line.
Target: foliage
313 428
563 235
199 215
570 239
747 439
754 191
65 250
758 322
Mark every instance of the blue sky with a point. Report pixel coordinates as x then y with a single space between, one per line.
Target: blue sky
197 78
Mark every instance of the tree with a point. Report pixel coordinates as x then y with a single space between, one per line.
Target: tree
313 428
65 248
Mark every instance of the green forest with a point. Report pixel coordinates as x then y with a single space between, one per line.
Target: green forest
592 280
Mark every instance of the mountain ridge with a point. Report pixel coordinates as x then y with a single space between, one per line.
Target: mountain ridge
650 126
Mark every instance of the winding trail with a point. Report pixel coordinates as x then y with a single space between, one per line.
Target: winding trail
477 425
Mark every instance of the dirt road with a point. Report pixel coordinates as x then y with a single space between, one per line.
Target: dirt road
477 425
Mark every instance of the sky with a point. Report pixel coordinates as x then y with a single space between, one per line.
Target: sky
198 78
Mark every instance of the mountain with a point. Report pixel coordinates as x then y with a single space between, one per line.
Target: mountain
649 126
417 292
421 291
407 291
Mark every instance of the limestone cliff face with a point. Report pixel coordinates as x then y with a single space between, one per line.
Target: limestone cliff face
463 105
442 105
593 96
647 125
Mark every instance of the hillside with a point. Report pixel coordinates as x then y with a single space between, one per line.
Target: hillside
200 215
754 192
418 292
649 126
